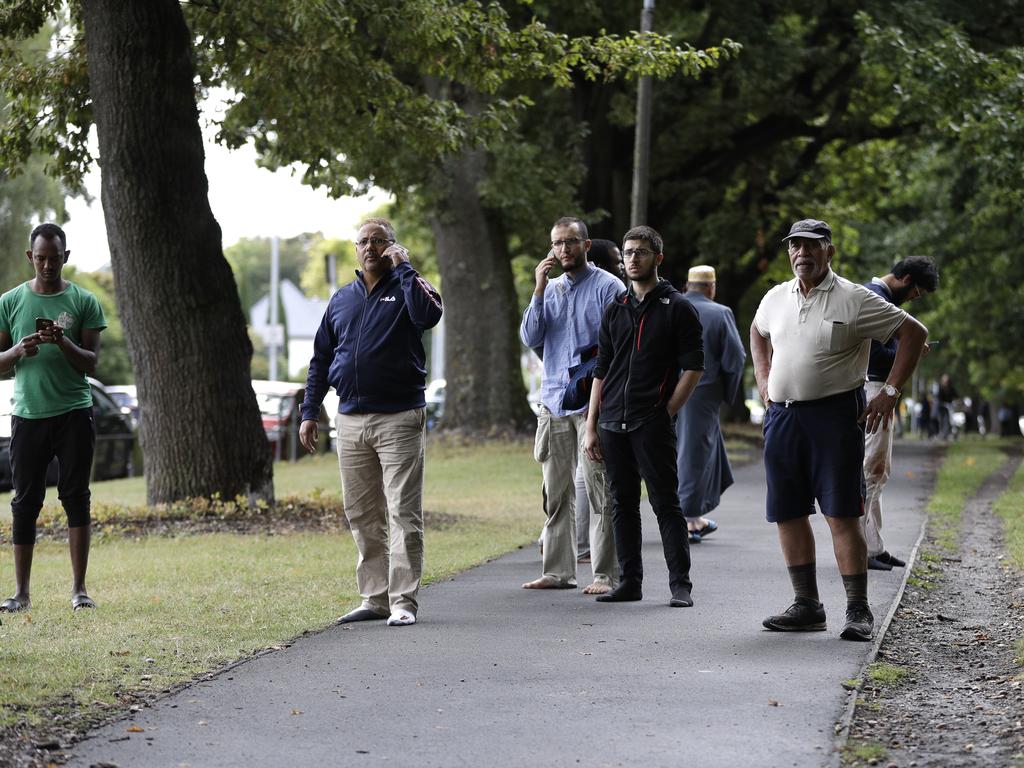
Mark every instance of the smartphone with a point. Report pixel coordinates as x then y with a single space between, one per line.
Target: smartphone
551 252
43 323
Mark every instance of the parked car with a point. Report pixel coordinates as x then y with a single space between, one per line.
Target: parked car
280 403
115 437
435 396
127 399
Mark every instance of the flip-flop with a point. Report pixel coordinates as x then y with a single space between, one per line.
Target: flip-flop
14 605
82 602
708 529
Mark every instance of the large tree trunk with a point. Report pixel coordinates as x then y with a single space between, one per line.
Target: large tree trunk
182 318
485 391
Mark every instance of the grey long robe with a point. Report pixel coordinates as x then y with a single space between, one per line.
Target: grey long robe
703 466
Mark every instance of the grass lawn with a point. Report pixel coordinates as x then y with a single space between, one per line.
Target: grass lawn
174 608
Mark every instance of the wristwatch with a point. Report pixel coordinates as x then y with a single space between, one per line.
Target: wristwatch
890 390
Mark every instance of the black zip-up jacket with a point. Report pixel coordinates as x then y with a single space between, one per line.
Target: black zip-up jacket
369 346
642 350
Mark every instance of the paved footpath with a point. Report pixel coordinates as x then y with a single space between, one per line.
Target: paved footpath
494 675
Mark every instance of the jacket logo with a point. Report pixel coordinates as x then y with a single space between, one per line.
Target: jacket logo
388 298
664 301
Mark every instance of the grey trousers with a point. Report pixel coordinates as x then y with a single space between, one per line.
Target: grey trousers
558 447
877 467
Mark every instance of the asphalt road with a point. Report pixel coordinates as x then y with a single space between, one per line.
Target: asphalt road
497 676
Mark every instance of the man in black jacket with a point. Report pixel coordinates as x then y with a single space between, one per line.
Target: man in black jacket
648 335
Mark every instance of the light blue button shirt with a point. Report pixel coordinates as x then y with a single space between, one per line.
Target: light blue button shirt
565 322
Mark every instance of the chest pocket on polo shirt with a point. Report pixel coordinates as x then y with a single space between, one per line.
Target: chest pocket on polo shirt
835 336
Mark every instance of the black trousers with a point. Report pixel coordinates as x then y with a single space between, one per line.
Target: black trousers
71 437
648 453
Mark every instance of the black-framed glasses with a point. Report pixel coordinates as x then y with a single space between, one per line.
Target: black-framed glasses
569 242
374 241
639 253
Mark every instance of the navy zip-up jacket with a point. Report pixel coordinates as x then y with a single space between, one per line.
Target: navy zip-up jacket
641 352
369 347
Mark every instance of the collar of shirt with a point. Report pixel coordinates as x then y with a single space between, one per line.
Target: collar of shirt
824 286
881 284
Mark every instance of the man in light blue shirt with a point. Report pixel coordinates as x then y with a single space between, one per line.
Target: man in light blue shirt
562 324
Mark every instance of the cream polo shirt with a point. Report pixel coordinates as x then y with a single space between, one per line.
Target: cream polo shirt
821 343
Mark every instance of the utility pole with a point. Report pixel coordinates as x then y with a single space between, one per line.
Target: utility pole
642 140
275 330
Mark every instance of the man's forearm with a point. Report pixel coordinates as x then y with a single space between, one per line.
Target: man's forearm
594 408
81 359
683 389
912 336
761 356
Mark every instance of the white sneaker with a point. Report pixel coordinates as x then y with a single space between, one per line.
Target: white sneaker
401 618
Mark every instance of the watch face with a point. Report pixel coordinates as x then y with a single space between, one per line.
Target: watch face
890 390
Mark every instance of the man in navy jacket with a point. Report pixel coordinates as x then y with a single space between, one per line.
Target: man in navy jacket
369 347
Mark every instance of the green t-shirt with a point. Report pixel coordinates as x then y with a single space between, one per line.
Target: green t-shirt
46 384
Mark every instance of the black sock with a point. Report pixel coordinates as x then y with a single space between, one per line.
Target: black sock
805 582
856 588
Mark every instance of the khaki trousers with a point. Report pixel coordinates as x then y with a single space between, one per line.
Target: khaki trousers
877 467
559 448
380 456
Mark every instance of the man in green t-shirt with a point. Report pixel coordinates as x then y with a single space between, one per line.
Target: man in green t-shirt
57 325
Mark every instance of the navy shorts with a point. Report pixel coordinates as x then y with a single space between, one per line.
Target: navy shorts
814 450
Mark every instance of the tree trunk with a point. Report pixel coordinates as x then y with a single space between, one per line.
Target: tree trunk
485 391
183 322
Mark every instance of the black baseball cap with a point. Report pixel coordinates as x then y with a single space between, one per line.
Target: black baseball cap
811 228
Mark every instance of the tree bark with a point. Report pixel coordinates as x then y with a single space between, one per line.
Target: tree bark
485 392
201 428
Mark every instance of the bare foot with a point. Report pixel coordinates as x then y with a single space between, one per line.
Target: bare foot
597 588
547 582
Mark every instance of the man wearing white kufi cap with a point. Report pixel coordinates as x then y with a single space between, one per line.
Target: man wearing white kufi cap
704 471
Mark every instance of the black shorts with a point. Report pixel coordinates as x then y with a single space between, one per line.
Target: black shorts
814 450
71 438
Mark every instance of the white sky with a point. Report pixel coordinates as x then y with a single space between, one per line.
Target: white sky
247 201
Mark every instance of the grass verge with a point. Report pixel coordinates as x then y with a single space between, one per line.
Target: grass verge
172 609
967 465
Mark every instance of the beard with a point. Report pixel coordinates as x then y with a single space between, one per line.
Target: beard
900 294
643 275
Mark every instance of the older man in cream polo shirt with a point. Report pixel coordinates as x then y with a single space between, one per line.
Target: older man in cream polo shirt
810 342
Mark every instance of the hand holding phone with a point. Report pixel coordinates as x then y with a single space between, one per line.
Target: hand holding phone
543 270
397 253
49 332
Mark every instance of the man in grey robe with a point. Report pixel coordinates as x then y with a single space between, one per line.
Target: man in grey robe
704 471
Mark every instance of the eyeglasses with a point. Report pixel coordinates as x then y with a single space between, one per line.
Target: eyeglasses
374 241
639 253
571 242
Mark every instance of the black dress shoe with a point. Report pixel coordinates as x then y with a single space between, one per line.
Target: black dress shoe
624 593
893 562
877 564
681 599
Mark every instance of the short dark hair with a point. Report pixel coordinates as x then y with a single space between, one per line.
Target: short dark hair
568 221
922 270
48 231
381 222
643 232
602 254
